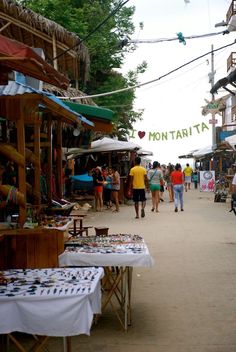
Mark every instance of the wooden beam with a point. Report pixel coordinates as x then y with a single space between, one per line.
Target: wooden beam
49 161
59 159
21 169
42 144
5 26
37 168
37 32
12 154
54 49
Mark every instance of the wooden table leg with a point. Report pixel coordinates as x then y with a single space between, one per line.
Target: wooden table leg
119 287
130 276
16 343
3 343
41 340
67 344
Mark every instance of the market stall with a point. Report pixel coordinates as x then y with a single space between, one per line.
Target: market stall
20 57
49 302
106 151
231 140
118 254
30 118
34 247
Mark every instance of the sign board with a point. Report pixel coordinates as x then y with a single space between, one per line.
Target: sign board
212 106
213 122
207 181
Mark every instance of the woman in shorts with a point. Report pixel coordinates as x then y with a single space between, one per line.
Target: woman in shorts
98 181
155 177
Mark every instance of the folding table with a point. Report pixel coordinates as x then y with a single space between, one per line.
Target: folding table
118 254
49 302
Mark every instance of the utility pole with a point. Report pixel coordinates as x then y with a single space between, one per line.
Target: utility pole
213 120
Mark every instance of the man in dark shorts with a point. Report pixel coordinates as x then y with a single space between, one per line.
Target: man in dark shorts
138 181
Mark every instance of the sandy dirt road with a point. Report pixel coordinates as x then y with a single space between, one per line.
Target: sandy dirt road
187 301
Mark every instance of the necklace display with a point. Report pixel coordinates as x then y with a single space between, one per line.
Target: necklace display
116 243
48 282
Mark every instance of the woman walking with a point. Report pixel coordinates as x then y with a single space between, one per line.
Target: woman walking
169 186
155 177
115 187
177 179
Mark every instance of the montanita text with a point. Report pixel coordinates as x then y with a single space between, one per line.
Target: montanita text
170 135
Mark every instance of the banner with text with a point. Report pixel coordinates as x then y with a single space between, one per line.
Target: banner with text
155 136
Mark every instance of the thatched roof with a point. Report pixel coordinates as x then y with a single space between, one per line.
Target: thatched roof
70 92
36 31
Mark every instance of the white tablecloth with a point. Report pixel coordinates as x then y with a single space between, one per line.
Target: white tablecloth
135 254
53 302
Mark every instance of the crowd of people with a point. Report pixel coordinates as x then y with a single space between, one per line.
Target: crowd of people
106 182
155 180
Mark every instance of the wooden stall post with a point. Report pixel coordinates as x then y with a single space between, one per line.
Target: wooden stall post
37 166
49 156
59 159
21 169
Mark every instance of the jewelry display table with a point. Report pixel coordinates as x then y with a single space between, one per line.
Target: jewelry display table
49 302
118 254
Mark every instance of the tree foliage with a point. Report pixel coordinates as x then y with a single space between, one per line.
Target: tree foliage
105 47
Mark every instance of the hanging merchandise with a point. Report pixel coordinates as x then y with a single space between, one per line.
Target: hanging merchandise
181 38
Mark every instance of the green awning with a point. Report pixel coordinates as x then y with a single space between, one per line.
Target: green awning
90 110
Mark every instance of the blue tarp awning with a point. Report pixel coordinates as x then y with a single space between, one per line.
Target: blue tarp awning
15 88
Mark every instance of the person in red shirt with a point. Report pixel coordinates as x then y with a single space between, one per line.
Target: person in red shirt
177 180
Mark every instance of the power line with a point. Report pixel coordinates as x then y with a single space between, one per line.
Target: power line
149 82
120 5
151 41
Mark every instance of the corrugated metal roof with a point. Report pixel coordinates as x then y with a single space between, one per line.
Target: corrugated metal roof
15 88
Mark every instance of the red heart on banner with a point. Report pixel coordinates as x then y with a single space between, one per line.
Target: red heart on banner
141 134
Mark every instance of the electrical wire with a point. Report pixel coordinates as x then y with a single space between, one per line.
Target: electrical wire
153 80
151 41
120 5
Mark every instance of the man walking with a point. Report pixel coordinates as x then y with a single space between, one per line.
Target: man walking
138 181
187 176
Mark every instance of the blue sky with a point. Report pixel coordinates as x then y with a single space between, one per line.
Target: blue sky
173 104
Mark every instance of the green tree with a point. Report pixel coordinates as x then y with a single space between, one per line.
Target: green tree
105 48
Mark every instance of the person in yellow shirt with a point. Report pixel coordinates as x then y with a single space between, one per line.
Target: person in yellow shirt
138 181
187 177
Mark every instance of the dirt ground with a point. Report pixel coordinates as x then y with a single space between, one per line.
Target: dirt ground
187 301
